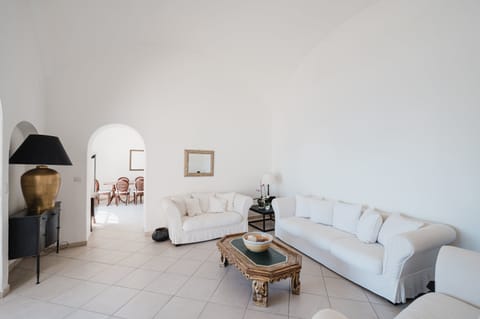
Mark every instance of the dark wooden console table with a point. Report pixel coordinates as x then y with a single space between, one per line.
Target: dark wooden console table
29 234
265 213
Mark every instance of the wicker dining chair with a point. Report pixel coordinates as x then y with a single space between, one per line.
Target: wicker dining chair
139 190
98 193
122 189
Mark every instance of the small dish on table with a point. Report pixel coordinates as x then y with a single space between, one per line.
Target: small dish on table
257 241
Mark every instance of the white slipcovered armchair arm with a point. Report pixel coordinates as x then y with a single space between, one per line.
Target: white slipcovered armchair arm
284 207
174 218
400 250
242 204
456 274
328 314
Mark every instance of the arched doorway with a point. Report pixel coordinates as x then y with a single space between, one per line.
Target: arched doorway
115 151
16 201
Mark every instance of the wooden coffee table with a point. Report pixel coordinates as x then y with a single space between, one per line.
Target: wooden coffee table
277 263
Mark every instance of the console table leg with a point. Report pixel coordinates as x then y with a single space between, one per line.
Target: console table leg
260 292
296 283
38 269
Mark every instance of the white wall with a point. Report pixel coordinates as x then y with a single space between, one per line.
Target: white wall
385 111
112 146
184 74
21 95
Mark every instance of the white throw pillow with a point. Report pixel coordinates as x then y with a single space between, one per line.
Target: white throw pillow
368 226
321 211
216 205
203 197
193 207
302 206
230 197
345 216
396 224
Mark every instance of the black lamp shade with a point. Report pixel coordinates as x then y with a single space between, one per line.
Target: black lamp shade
41 150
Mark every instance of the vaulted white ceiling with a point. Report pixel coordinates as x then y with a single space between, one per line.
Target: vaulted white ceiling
263 40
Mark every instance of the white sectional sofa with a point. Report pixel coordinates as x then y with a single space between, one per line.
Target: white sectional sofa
203 216
457 290
397 266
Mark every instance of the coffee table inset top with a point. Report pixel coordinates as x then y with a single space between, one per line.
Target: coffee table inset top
286 263
268 258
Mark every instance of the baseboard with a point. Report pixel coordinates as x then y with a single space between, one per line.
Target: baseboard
4 292
48 250
14 264
65 245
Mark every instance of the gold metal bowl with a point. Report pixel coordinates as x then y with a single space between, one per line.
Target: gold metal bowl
257 241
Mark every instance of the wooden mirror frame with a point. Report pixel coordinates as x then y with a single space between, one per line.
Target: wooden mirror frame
187 160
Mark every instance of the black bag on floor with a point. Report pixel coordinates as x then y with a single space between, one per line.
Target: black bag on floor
160 234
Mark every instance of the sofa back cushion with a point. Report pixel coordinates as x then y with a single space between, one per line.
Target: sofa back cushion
302 206
230 197
345 216
216 205
321 211
395 225
203 197
193 207
369 226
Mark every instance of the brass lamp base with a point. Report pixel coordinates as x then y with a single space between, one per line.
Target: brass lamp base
40 187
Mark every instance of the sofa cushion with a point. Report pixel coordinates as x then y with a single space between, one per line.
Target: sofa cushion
396 224
319 235
352 251
193 206
230 197
211 220
302 206
203 197
439 306
216 205
368 226
324 236
345 216
321 211
293 225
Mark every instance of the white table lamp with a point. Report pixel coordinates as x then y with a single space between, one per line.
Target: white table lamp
268 179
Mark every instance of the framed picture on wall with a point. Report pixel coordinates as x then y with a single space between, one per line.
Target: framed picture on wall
137 160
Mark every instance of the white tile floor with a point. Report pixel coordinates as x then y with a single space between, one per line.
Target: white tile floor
122 273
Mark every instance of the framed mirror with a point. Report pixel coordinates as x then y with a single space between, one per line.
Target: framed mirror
137 160
199 163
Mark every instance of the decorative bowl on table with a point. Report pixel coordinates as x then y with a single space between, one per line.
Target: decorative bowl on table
257 242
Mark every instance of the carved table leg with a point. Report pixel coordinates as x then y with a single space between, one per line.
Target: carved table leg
296 283
260 292
223 261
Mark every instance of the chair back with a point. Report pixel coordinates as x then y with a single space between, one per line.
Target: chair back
122 184
139 181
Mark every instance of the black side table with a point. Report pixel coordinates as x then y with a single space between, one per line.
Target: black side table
267 214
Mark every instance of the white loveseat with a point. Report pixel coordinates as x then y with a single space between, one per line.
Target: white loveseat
457 290
205 225
399 269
